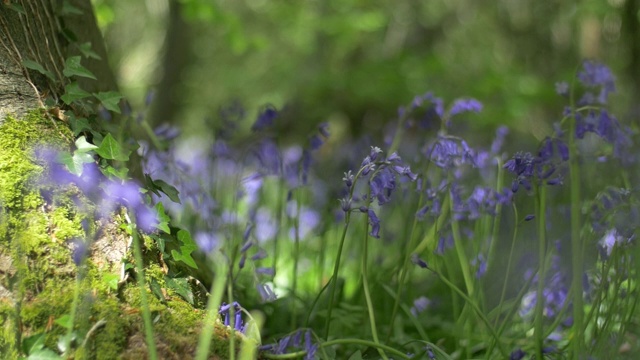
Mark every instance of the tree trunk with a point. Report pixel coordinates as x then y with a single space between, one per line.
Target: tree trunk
50 302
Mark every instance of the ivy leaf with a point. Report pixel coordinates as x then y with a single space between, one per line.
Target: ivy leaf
72 92
29 64
83 145
72 67
171 191
180 286
163 218
85 49
187 247
110 149
109 100
75 163
78 125
120 173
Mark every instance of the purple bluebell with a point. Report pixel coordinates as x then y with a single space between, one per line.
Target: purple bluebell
596 75
517 354
266 119
419 305
79 250
309 347
265 271
465 105
417 261
265 292
375 223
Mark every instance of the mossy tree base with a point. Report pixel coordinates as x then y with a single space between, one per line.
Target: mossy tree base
39 278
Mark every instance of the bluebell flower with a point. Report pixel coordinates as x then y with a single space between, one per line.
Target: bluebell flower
562 88
309 347
419 305
417 261
465 105
375 223
265 292
226 313
79 250
265 119
517 354
595 75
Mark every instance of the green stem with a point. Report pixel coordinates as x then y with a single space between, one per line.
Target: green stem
296 256
213 304
365 283
542 251
404 270
146 314
477 310
334 277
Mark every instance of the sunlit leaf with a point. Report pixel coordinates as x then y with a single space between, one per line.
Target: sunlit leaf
188 246
163 218
83 145
110 149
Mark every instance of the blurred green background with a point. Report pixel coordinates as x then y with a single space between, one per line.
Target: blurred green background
353 62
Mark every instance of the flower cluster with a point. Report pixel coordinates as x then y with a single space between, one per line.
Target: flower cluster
382 181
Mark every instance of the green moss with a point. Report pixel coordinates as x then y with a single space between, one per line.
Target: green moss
35 232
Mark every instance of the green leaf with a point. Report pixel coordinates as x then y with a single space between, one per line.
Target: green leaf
83 145
356 356
110 149
44 354
32 343
72 67
187 247
157 290
120 173
72 92
181 287
64 321
78 125
75 163
171 191
29 64
163 218
85 49
109 100
111 280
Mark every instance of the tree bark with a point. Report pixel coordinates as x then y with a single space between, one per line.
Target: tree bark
46 32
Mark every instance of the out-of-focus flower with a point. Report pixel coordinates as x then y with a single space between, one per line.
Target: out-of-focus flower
465 105
419 305
265 119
